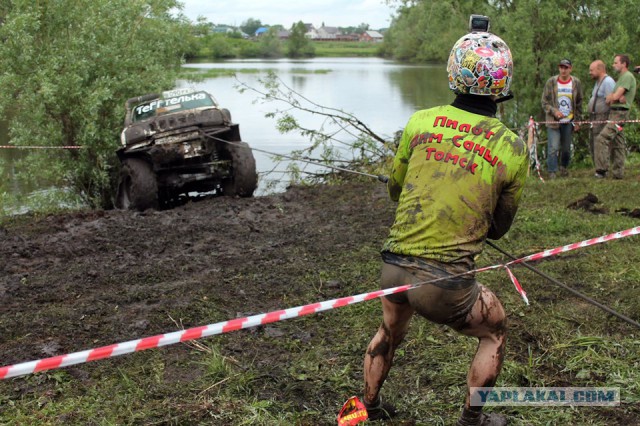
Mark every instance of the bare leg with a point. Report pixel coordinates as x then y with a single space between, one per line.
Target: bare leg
379 355
487 322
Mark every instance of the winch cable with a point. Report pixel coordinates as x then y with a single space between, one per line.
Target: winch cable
566 287
385 179
381 178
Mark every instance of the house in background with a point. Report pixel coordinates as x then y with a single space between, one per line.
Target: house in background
329 33
223 29
228 29
311 31
372 36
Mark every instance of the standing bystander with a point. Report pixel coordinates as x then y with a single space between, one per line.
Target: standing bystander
561 102
449 202
610 145
598 107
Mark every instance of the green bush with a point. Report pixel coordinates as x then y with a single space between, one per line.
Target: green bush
64 81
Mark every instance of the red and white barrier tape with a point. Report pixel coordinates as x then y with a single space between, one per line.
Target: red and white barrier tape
262 319
533 149
558 250
581 122
39 147
186 335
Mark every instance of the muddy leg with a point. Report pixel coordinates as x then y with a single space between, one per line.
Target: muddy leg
379 355
487 322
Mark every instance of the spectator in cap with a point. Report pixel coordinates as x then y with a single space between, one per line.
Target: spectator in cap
562 104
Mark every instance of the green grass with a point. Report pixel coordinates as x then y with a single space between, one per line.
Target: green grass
557 341
200 74
226 48
345 49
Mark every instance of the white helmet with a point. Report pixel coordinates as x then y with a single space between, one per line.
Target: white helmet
480 63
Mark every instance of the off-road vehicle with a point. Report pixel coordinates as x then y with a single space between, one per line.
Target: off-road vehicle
177 145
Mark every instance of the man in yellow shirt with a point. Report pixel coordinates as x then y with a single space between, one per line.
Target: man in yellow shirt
458 176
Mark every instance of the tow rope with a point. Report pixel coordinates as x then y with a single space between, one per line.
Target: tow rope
39 147
566 287
381 178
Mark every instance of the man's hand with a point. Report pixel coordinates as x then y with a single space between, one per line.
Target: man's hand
576 127
558 115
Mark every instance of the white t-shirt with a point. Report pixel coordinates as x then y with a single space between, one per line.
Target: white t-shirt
565 99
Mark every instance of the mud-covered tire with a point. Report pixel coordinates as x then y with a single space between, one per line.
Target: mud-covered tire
244 178
137 186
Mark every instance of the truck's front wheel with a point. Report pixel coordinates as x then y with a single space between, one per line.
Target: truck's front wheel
138 187
244 179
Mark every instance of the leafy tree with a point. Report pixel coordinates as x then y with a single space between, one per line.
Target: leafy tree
221 47
538 32
425 30
541 33
249 49
250 26
235 34
362 28
298 45
270 44
67 68
202 27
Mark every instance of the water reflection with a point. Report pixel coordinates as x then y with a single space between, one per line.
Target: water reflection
422 87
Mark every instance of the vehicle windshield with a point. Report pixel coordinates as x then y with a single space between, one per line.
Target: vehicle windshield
172 104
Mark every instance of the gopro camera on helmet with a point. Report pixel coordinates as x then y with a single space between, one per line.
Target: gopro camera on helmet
478 23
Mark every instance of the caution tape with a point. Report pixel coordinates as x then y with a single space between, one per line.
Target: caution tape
39 147
581 122
160 340
532 129
556 251
187 335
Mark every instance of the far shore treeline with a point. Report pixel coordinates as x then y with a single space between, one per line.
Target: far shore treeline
64 80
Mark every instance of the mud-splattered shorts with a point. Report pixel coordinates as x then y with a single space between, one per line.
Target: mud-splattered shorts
446 301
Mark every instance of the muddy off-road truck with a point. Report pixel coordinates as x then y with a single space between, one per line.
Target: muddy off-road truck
177 145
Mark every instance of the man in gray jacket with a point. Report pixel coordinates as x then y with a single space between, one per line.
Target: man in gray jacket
561 102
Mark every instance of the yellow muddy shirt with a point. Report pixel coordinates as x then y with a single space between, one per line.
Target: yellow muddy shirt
458 177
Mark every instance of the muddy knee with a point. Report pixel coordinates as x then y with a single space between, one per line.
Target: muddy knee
487 317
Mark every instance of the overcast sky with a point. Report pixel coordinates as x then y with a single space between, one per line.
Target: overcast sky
334 13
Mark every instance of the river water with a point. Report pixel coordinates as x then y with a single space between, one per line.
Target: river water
380 93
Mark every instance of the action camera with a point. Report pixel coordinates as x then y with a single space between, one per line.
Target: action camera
478 23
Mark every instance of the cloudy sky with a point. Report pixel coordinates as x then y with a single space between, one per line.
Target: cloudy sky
334 13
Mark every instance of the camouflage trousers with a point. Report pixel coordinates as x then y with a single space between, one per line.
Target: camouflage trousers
595 130
610 147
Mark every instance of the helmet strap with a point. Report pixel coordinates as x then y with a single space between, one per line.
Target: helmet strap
507 97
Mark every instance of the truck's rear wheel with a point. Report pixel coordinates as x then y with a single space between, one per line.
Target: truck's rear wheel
138 187
244 179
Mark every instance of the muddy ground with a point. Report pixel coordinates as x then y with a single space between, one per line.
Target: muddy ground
76 281
71 282
103 276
